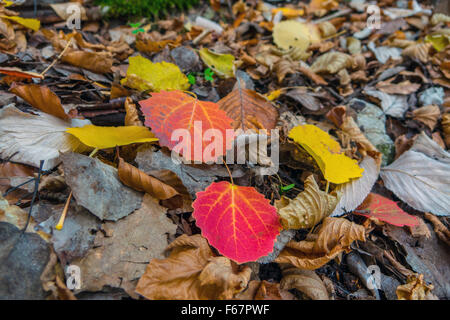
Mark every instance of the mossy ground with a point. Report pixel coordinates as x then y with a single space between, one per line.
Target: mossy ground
144 8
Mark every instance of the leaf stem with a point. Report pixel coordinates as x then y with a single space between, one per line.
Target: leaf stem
229 172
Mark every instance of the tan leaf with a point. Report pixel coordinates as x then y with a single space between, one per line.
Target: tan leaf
445 122
138 180
405 87
98 62
417 52
248 109
415 289
132 116
264 290
429 115
306 281
312 75
192 271
332 62
40 97
333 237
308 208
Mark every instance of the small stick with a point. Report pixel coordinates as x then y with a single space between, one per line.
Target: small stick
57 59
327 187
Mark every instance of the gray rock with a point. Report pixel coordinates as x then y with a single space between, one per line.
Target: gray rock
23 257
186 59
96 186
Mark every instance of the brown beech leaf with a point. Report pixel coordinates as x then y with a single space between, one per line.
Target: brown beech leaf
429 115
98 62
418 52
332 62
40 97
308 208
445 122
248 109
333 237
132 116
192 271
306 281
264 290
415 289
405 87
139 180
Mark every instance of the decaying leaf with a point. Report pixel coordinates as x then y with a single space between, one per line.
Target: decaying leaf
420 178
332 62
308 208
392 104
121 255
40 97
138 180
294 34
195 273
335 166
248 109
132 116
165 112
306 281
333 237
222 64
429 115
416 289
238 221
142 74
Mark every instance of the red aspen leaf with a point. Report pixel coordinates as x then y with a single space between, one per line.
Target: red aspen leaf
238 221
18 73
166 112
386 210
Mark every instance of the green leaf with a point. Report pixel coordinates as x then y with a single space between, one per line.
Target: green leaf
191 78
209 75
287 188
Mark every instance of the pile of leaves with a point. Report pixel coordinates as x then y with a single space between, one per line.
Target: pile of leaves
355 112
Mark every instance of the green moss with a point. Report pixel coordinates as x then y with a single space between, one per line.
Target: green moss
144 8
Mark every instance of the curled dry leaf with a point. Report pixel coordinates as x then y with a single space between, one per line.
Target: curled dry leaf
195 273
418 52
333 237
416 289
306 281
263 290
405 87
132 116
420 178
248 109
429 115
441 230
140 181
308 208
332 62
40 97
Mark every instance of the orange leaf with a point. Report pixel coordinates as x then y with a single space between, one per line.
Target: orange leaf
166 112
382 208
238 221
140 181
16 72
40 97
249 110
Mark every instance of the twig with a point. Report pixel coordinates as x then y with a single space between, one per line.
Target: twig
36 188
57 59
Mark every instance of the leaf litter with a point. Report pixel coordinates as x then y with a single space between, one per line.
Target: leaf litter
86 152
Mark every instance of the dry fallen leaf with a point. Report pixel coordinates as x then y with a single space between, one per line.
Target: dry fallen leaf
415 289
309 207
195 273
40 97
140 181
333 237
418 52
306 281
429 115
332 62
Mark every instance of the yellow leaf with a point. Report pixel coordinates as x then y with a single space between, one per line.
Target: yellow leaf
335 166
294 34
142 74
109 137
439 39
222 64
289 12
273 95
32 24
